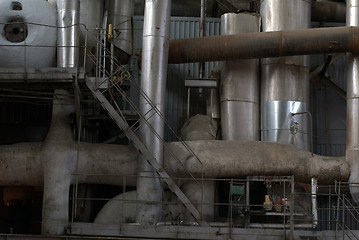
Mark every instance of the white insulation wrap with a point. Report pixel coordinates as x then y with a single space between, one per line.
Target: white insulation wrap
28 33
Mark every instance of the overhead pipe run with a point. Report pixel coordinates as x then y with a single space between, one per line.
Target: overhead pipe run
264 45
156 32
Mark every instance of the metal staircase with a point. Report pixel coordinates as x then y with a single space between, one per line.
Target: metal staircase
109 79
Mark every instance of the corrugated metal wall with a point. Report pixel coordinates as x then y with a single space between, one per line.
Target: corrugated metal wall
176 95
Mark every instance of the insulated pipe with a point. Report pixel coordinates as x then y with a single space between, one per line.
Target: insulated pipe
68 33
352 150
156 32
265 45
120 15
58 152
58 155
240 85
106 163
285 81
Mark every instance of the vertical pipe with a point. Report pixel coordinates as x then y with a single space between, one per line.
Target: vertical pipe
285 80
68 33
156 32
58 153
240 85
352 150
202 34
120 15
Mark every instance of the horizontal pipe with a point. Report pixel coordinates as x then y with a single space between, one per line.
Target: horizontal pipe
106 163
265 45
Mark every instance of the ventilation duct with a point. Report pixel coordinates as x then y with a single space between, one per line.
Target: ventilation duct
285 81
240 85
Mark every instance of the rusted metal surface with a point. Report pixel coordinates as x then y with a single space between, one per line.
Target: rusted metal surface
265 45
328 12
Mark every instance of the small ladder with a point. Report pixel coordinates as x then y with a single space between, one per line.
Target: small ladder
121 123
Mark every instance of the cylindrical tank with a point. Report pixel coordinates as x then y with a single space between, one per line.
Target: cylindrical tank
28 36
240 85
285 81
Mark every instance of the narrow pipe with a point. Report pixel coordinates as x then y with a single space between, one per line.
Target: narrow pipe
352 150
265 45
314 188
202 33
153 84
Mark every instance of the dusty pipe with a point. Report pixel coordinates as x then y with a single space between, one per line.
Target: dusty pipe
153 84
240 85
328 11
352 150
265 45
58 152
68 33
220 159
58 155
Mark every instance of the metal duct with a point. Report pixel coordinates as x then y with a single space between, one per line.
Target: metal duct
156 32
28 36
285 81
68 33
120 16
240 85
352 148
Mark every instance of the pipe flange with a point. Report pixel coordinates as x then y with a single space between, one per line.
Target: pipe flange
15 30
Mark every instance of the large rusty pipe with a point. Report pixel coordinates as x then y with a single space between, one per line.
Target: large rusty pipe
265 45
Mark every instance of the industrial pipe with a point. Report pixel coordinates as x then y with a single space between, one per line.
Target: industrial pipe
156 32
352 148
68 33
265 45
240 85
104 163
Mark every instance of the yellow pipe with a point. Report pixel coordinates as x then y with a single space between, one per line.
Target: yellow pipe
110 32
